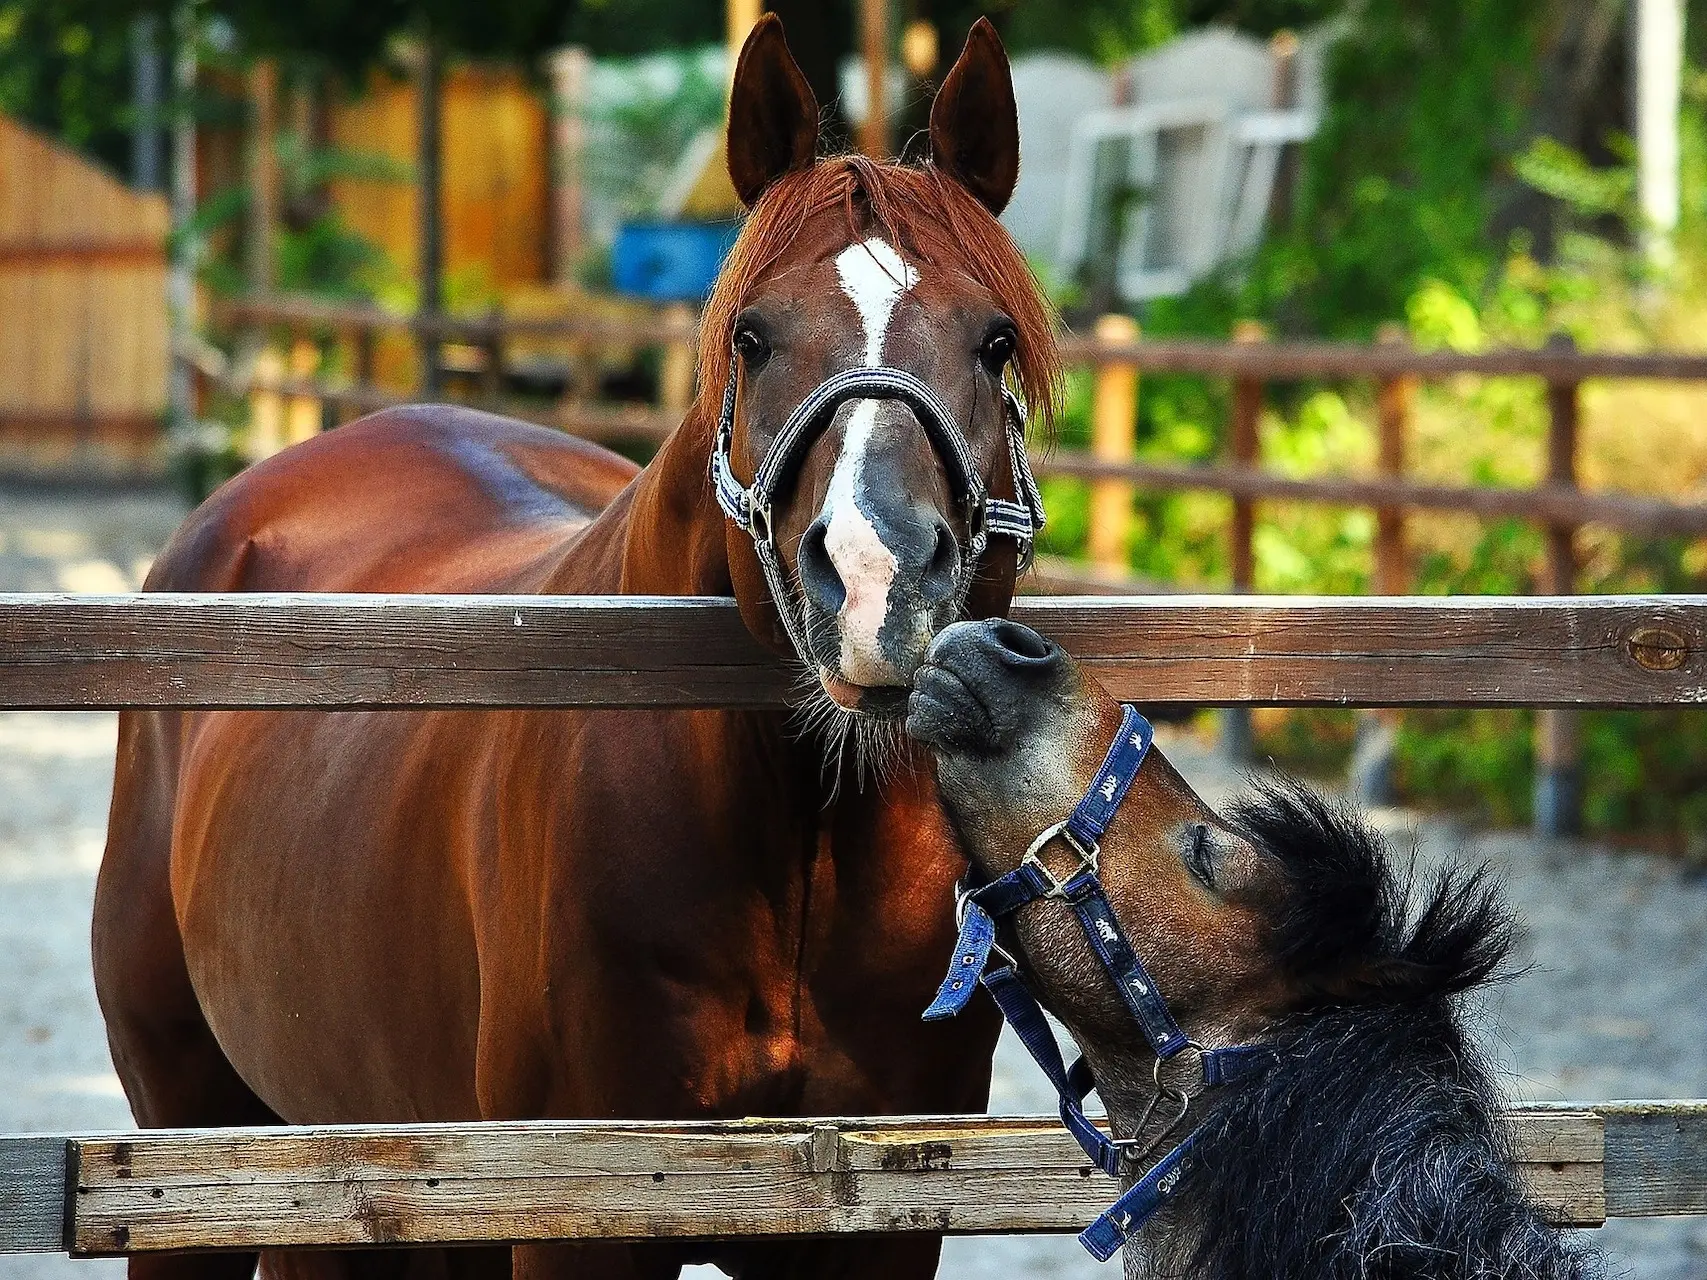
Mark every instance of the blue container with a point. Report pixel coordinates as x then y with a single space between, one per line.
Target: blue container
670 261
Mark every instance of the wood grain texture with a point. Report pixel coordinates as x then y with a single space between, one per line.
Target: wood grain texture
32 1193
332 651
542 1180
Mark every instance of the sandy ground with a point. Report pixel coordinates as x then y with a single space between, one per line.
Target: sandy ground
1613 1006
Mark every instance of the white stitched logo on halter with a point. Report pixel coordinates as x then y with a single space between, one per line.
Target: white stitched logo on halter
1168 1183
1108 787
1106 929
1138 741
1139 987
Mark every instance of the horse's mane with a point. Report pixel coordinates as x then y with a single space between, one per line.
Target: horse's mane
928 216
1373 1149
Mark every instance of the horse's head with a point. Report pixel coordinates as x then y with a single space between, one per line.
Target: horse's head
1285 926
1019 733
869 501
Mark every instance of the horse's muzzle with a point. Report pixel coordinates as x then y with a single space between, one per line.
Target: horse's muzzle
981 683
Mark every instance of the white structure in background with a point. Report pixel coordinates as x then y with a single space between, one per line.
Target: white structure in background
1658 44
1054 92
1200 140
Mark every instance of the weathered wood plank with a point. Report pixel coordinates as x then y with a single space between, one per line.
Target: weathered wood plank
1656 1158
339 651
32 1194
548 1180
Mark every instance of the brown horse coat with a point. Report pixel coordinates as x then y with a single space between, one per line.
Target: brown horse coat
405 916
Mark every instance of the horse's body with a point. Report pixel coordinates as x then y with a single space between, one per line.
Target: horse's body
401 916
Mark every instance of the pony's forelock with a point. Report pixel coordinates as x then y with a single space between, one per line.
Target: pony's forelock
927 216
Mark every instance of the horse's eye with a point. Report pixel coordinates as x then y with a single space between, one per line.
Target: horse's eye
751 347
1200 854
998 349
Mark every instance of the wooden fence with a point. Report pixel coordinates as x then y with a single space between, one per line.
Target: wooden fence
471 1183
83 329
138 1192
1558 506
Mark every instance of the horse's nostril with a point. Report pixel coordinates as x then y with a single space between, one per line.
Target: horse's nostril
818 577
1019 641
942 570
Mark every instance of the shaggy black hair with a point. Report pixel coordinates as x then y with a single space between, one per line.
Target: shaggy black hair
1373 1150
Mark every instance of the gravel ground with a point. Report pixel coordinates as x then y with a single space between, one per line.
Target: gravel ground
1612 1007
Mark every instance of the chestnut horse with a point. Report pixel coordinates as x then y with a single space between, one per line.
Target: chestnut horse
1357 1135
407 916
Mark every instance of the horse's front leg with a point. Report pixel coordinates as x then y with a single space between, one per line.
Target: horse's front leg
600 1261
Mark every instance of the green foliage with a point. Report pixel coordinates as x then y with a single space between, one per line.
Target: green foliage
636 141
65 68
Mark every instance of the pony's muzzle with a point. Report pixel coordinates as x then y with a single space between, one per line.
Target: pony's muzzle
980 685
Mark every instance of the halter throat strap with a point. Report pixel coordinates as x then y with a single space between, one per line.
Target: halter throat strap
1082 891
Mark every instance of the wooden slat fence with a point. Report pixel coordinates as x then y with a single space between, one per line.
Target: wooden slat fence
140 1192
347 651
83 331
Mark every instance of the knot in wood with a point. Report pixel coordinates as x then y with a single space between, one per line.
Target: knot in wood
1657 648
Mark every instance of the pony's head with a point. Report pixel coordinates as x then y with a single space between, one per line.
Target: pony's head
845 264
1285 923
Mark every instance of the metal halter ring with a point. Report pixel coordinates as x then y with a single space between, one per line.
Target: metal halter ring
1088 855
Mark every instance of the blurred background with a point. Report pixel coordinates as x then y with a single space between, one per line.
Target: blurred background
1396 296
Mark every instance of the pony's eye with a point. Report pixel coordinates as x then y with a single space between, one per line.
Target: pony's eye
998 349
1200 854
751 347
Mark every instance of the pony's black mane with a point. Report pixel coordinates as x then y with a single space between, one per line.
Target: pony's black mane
1373 1148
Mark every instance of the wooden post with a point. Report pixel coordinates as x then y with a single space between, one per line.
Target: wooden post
874 44
1114 430
740 17
675 372
303 413
1242 445
1378 731
429 91
571 71
263 175
181 281
1558 764
492 376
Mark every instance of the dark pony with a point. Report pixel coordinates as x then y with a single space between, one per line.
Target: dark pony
1374 1148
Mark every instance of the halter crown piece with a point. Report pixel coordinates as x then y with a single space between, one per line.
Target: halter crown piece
751 507
1032 881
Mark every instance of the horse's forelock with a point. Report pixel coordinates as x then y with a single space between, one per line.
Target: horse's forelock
922 212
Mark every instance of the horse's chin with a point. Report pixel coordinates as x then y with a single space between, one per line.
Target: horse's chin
881 702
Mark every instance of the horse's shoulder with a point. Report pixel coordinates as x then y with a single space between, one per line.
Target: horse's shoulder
423 498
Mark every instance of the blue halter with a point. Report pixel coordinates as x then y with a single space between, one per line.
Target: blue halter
1032 881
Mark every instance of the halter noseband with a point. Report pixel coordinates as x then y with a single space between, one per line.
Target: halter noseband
751 507
1032 881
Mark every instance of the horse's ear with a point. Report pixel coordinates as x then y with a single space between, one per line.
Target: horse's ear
974 122
773 117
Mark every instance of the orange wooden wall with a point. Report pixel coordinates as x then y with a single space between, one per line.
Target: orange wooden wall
83 323
496 184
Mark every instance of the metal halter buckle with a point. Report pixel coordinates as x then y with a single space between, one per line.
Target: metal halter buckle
962 896
1087 854
759 519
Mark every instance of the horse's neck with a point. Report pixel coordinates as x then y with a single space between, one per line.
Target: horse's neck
662 535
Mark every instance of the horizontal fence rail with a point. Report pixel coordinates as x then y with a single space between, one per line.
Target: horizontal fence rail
363 651
496 1182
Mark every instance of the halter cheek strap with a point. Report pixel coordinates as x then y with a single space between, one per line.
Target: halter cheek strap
1032 881
751 507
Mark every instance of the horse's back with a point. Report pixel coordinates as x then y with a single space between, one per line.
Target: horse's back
426 498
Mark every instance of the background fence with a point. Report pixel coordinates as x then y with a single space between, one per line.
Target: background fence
83 326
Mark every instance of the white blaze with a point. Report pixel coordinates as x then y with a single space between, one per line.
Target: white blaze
874 277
